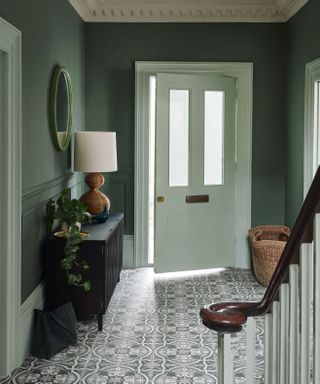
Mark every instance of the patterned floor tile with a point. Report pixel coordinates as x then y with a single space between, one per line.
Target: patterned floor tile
182 352
122 351
152 334
185 375
127 329
182 329
47 374
115 375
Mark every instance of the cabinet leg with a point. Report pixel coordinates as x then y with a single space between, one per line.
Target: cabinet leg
100 321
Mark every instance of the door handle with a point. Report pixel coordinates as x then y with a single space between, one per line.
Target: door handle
160 199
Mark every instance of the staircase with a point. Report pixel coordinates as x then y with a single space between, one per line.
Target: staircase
290 306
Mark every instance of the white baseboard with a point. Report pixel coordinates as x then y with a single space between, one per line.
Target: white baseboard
128 260
34 301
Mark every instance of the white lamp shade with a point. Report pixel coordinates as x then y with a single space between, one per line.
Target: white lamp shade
95 151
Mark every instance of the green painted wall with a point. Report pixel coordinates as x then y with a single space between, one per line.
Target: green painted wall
52 33
112 49
100 58
303 47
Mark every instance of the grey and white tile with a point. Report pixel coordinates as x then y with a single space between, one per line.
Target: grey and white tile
152 334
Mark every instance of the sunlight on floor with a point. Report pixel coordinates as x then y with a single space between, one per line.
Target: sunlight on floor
195 272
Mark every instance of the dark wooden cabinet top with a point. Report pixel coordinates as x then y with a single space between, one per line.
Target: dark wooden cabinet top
102 231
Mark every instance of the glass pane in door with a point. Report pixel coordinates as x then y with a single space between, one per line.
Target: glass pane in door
213 137
178 137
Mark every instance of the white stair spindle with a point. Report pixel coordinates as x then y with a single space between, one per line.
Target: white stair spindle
275 342
268 348
306 299
225 359
250 348
284 333
294 323
316 322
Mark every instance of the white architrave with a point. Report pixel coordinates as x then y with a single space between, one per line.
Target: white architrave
10 197
242 72
311 162
311 133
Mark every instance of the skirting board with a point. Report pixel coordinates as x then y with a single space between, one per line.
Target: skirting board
128 260
34 301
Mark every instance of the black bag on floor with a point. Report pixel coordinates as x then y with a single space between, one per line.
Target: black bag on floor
53 331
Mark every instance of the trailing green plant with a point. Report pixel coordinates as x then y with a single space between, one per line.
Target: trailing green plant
70 213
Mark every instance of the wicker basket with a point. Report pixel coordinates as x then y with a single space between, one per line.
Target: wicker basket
267 243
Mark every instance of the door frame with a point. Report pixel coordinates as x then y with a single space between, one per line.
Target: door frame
10 200
243 73
312 74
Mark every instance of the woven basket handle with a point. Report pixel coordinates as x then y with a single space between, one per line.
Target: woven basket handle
257 235
283 235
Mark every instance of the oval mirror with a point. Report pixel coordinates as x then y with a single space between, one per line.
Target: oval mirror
60 108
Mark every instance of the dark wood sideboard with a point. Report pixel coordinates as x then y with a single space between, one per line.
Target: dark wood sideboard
103 252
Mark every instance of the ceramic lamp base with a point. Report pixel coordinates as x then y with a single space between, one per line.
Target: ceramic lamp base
95 200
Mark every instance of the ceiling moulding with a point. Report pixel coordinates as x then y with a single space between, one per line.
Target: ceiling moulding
186 10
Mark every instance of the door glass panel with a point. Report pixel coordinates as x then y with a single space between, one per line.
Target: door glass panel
152 141
213 137
178 137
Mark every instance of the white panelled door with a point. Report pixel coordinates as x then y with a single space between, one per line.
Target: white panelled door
195 172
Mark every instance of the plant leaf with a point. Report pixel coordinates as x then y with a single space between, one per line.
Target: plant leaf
86 286
70 211
72 279
78 279
85 265
70 250
65 264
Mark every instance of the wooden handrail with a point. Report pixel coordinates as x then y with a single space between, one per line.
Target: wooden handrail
230 317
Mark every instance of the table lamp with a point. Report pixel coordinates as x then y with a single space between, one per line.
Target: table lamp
95 152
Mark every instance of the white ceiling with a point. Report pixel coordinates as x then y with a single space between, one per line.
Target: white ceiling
186 10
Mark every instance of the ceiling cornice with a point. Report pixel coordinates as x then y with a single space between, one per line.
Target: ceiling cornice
186 10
